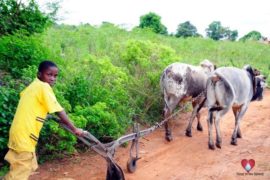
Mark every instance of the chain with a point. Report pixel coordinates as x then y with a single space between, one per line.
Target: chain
157 125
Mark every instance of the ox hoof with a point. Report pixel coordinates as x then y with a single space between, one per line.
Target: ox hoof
211 146
239 135
199 128
234 142
188 133
218 145
168 138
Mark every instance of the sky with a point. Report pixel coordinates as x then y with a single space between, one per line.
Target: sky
241 15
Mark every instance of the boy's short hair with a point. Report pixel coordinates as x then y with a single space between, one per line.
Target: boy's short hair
45 65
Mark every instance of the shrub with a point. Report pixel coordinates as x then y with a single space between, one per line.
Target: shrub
19 51
145 61
99 120
9 97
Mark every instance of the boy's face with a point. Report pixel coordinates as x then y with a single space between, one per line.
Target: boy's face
49 75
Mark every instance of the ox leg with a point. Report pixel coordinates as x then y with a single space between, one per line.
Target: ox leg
218 132
210 135
219 115
167 125
194 113
170 104
239 134
238 118
201 104
168 133
236 112
199 125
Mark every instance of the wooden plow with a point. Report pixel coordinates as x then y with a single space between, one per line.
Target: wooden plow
107 150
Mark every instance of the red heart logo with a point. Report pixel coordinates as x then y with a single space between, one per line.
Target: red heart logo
248 164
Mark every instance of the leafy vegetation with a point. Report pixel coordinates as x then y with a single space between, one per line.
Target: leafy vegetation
251 36
153 21
186 29
22 15
216 31
19 51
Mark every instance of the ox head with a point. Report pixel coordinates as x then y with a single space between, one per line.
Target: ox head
259 82
207 66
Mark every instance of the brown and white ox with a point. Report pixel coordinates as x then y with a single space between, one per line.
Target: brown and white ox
181 83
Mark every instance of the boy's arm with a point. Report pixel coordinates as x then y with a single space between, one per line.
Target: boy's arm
65 120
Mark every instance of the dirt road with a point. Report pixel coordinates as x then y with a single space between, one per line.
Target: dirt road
183 158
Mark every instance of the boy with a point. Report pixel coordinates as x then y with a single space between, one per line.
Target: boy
36 101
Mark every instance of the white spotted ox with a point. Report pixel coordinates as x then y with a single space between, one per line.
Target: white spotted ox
227 88
181 83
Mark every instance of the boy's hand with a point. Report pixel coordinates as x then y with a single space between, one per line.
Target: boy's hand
64 119
78 132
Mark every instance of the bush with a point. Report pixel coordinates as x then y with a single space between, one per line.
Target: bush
19 51
99 120
54 141
9 97
22 15
145 61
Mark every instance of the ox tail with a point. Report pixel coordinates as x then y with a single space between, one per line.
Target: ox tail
224 79
213 80
201 105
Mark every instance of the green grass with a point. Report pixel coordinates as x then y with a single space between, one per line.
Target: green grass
109 40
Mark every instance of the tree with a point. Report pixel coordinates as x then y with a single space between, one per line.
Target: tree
153 21
216 31
231 35
186 29
17 15
252 36
51 8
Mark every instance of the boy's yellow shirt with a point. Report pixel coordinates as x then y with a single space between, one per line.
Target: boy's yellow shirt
36 101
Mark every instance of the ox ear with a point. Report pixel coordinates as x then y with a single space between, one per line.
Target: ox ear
207 65
256 72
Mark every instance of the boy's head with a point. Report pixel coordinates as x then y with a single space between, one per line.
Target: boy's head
47 72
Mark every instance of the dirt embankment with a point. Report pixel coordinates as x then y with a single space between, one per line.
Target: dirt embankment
183 158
